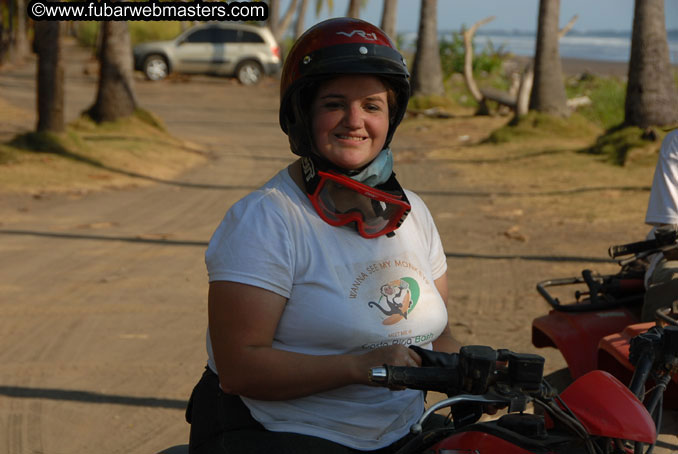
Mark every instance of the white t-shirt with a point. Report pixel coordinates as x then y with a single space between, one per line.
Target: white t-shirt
342 290
663 205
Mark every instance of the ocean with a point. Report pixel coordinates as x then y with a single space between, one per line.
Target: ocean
610 46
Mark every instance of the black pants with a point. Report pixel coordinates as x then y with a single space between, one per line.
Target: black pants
222 424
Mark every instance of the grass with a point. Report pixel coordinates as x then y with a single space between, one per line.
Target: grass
607 95
548 175
129 152
431 101
622 145
537 125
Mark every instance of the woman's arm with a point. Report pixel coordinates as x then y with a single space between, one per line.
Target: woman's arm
445 342
243 320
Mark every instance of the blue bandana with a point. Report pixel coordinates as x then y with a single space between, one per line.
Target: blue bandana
378 171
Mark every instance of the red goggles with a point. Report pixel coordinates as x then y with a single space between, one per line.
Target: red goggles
340 200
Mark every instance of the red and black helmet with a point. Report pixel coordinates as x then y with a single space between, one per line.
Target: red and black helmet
331 48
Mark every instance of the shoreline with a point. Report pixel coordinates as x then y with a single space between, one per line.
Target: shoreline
575 66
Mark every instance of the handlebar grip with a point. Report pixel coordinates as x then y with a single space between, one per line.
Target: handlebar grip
633 248
440 379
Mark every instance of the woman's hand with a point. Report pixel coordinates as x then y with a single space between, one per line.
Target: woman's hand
393 355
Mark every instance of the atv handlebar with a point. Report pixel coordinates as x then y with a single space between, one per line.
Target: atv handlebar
476 376
666 237
473 370
438 379
633 248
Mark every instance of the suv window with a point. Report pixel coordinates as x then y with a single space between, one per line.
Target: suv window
225 35
251 37
203 35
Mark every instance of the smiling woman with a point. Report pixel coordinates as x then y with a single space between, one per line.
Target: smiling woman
291 337
350 120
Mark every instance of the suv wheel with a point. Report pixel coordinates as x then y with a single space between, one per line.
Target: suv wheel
249 72
155 67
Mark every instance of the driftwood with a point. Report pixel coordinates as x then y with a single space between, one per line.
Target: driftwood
517 100
468 64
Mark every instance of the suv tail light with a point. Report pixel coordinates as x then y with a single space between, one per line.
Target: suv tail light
276 50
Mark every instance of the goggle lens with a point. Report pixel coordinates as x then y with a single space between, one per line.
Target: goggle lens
340 200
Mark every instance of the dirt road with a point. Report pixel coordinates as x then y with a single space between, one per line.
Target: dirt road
103 295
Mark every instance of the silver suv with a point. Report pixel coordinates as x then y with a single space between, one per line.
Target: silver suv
245 51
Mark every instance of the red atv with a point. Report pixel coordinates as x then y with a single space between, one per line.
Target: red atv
596 414
594 330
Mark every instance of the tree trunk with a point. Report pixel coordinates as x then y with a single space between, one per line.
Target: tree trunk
286 20
548 89
50 77
427 73
20 47
388 18
353 9
279 26
115 96
273 14
299 25
651 97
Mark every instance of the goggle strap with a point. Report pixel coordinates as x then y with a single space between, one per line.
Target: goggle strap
311 176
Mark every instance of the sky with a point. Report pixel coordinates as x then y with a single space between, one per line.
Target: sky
510 14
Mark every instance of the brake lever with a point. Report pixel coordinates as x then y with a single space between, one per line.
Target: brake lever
514 404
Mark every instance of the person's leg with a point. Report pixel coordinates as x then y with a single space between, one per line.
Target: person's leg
266 442
222 424
662 289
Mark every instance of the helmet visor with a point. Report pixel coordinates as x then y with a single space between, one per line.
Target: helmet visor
340 200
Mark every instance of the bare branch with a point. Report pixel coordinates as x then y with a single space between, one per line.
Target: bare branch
563 31
468 59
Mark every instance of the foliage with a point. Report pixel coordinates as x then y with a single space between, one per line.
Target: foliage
486 61
86 33
140 31
538 125
153 31
607 95
618 144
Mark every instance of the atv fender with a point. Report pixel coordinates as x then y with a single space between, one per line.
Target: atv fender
608 408
576 334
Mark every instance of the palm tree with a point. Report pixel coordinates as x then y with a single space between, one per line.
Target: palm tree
548 89
20 48
115 94
651 97
427 73
278 26
50 77
388 18
353 9
299 25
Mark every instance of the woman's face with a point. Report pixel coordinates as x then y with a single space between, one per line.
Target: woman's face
350 120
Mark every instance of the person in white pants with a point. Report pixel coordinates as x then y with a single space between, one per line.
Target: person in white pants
661 278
